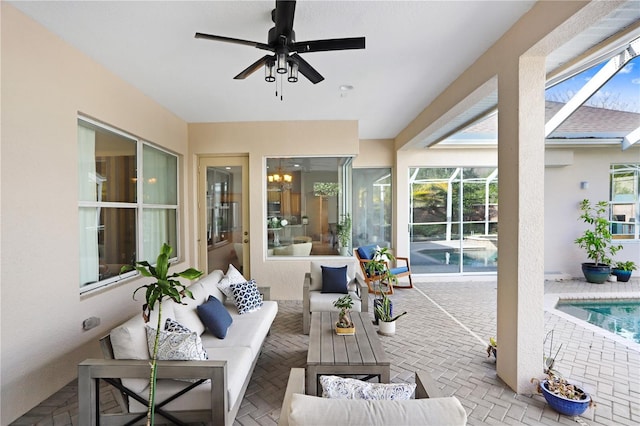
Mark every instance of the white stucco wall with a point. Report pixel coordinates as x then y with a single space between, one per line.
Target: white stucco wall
562 198
45 84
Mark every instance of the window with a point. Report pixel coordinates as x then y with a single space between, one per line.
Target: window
372 207
305 198
625 200
124 215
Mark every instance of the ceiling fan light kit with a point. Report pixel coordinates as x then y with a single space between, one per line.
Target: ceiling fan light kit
281 41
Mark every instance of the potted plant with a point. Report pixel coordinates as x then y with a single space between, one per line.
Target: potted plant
597 241
386 320
623 270
562 396
492 348
164 286
344 233
344 325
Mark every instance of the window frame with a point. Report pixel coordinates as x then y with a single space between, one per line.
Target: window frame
139 205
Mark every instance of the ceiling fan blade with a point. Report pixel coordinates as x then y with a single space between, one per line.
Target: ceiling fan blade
330 44
307 70
285 10
233 40
252 68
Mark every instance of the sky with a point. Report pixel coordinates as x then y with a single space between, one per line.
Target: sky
621 92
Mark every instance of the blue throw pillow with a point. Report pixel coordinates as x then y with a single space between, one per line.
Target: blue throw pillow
215 317
367 252
334 280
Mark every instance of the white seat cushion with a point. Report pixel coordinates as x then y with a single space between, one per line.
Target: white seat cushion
323 302
186 313
248 330
311 410
210 284
239 361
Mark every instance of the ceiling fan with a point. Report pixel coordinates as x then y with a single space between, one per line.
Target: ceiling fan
286 50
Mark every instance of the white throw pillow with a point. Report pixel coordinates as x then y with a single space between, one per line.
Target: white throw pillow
232 277
344 388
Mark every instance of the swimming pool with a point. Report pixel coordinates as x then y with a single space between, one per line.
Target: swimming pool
619 316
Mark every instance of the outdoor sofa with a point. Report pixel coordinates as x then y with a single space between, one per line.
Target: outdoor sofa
227 371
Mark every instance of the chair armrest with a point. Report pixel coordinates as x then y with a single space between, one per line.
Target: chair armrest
306 303
363 292
265 291
426 387
404 259
294 385
92 369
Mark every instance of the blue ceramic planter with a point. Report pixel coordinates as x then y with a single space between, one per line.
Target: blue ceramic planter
568 407
622 275
596 274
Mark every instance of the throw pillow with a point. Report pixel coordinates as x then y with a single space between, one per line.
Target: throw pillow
247 297
176 345
232 277
215 317
345 388
334 280
175 327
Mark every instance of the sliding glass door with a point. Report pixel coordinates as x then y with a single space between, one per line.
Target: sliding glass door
453 219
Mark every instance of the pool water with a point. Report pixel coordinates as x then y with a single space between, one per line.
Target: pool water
619 316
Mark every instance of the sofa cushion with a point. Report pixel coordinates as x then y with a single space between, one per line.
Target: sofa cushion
334 279
367 252
215 317
247 330
312 410
323 302
316 270
210 284
345 388
232 277
247 297
129 340
176 345
239 363
186 313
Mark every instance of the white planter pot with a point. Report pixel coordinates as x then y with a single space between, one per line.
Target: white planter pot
387 328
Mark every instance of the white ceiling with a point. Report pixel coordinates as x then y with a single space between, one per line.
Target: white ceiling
414 49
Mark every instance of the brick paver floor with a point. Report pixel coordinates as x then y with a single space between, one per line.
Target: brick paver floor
445 333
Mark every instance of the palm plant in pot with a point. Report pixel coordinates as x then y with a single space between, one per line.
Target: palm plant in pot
622 270
378 267
165 286
597 241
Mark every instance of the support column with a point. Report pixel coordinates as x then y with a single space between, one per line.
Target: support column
520 314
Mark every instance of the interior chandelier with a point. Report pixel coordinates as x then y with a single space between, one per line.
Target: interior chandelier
280 177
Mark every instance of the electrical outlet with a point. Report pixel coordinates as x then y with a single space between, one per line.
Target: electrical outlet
90 323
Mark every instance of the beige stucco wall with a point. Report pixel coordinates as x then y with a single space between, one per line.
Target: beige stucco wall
260 140
45 84
562 197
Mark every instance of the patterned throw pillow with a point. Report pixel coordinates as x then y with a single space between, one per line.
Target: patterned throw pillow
174 326
247 297
344 388
232 277
176 345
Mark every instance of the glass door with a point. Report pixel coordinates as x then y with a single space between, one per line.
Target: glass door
223 219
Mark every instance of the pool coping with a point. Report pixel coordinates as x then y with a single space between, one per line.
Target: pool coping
551 301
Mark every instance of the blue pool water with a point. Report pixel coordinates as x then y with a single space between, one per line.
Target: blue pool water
620 316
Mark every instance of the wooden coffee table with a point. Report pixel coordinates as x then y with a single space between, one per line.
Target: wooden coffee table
330 354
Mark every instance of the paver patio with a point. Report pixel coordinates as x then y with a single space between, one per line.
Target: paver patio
445 333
